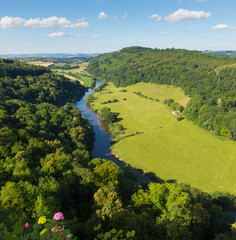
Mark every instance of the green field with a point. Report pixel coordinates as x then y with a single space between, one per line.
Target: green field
171 149
77 74
85 79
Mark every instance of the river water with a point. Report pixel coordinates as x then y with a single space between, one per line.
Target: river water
103 138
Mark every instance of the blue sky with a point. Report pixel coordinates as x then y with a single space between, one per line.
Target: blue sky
89 26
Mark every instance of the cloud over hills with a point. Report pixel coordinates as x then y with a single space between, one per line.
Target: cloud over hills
185 15
50 22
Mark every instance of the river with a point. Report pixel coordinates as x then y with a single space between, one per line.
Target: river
103 138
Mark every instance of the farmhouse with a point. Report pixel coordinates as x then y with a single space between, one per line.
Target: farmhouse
176 112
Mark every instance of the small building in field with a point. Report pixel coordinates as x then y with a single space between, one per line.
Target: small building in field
177 112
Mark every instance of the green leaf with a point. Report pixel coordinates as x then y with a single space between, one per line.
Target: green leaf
45 233
118 233
107 235
113 231
128 234
48 226
18 229
132 233
97 228
100 235
8 236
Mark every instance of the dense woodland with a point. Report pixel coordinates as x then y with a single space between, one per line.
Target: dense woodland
209 80
46 167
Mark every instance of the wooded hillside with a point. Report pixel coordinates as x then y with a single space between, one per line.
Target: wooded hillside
204 77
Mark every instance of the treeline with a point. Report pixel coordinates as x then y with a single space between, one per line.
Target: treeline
212 88
46 167
12 69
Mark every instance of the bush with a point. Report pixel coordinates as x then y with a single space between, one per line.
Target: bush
180 118
168 101
123 90
107 116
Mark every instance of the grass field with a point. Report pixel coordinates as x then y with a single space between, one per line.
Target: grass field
40 63
171 149
82 67
78 73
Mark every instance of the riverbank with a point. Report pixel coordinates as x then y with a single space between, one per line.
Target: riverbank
103 139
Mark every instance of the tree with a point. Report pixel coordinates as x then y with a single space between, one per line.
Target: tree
106 175
107 203
107 116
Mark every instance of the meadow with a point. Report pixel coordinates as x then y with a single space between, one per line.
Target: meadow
41 63
177 150
77 74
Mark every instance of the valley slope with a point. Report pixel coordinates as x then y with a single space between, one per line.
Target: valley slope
209 80
173 149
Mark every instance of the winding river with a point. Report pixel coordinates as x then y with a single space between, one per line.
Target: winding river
103 138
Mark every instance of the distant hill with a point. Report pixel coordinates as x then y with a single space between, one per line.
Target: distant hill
209 80
231 54
49 55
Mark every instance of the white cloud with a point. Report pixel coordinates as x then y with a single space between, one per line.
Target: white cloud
11 22
50 22
96 35
57 34
156 17
223 27
202 0
162 33
102 15
125 15
80 35
81 23
184 15
46 22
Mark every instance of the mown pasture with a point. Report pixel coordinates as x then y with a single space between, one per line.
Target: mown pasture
177 150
